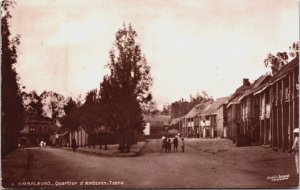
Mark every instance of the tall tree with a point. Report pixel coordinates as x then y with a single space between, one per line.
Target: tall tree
33 102
11 104
130 83
71 120
91 115
53 104
166 109
150 108
276 62
294 50
179 108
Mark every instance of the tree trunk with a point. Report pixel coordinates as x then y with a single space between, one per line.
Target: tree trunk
105 143
85 139
100 141
93 141
128 140
133 137
89 141
81 138
122 141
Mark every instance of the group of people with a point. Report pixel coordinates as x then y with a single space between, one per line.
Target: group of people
167 144
43 144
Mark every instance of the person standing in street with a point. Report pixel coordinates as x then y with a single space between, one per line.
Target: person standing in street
41 143
175 143
163 146
295 148
74 144
169 145
182 144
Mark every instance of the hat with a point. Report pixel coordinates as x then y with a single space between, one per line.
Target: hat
296 130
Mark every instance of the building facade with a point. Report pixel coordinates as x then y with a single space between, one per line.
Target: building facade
37 128
222 129
266 112
279 108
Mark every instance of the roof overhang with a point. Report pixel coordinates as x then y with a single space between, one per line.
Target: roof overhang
232 103
259 91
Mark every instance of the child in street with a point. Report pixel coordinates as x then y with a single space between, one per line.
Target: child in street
295 149
164 144
41 144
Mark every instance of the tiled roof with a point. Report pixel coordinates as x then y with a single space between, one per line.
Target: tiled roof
255 85
234 101
197 110
239 92
212 108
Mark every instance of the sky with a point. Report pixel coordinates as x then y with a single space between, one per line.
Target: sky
191 45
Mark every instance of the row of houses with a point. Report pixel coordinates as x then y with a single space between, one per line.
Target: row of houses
205 120
264 112
40 128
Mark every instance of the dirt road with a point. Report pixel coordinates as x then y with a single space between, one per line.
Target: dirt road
208 163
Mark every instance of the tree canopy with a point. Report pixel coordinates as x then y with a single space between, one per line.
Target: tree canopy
127 88
11 104
276 62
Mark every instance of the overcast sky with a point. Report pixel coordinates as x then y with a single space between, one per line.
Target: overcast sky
190 45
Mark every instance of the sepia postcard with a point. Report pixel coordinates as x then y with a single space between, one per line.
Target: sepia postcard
185 94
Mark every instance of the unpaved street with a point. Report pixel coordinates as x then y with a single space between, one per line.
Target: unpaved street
208 163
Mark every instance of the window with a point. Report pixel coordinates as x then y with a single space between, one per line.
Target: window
267 97
286 94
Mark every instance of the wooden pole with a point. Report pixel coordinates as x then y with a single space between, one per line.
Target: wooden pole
265 120
85 139
290 113
77 140
293 100
271 116
81 137
282 115
274 119
296 72
277 116
269 119
259 119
